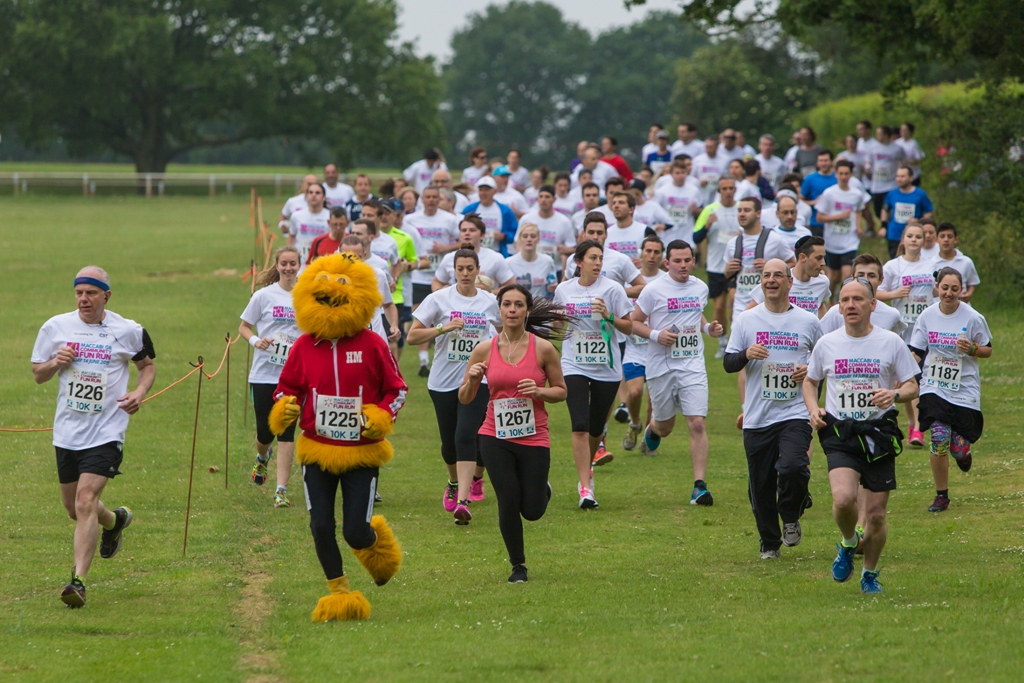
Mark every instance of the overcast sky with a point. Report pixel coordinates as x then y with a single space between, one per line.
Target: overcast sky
431 24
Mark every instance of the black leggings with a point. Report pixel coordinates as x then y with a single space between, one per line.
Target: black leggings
519 477
262 403
589 401
357 489
459 425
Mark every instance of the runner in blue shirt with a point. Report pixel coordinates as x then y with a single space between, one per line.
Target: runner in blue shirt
902 204
814 185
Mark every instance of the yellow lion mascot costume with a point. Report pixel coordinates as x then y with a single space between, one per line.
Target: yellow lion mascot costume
342 384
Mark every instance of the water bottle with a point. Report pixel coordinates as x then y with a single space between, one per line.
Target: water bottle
551 281
963 335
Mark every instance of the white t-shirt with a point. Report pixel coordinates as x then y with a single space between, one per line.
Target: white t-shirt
339 194
491 216
791 237
88 414
720 233
492 264
884 316
771 394
964 265
452 349
666 302
744 189
772 169
692 149
920 277
883 161
855 158
689 181
913 152
441 228
471 174
579 216
535 275
636 346
615 267
584 351
627 241
948 372
376 323
568 205
555 231
420 173
864 146
734 153
512 198
530 194
748 278
710 169
293 204
841 236
808 296
306 227
385 247
602 173
520 179
270 311
853 367
931 253
677 202
651 213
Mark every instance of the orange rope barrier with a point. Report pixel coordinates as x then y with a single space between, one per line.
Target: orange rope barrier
226 348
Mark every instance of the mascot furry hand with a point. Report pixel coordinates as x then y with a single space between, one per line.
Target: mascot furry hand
343 386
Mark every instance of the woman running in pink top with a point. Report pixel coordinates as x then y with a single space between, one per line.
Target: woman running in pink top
523 372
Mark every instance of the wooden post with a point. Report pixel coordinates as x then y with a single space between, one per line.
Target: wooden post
192 466
227 409
85 184
213 185
149 185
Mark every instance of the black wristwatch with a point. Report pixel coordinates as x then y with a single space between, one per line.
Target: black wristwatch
895 397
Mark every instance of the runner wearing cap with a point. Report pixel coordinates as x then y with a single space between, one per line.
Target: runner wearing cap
500 220
661 155
88 350
505 193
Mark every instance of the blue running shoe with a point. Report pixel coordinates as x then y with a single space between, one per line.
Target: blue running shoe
651 440
842 566
869 583
701 496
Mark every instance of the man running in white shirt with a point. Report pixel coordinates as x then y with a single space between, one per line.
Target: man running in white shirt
308 223
951 257
295 203
809 289
864 139
519 176
708 167
591 196
337 192
477 168
652 139
912 150
681 200
772 343
89 351
615 266
650 213
420 173
772 167
626 235
839 209
354 206
688 142
728 145
602 171
717 224
557 236
786 215
669 313
882 160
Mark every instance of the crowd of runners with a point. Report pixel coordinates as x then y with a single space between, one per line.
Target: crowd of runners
482 270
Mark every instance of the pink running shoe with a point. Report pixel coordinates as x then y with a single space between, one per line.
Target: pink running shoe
462 514
476 491
915 438
451 496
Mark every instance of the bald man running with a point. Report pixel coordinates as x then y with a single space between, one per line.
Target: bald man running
89 350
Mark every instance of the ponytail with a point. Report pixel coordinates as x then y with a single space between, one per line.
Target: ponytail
270 275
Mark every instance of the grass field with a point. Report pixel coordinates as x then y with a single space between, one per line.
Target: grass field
647 588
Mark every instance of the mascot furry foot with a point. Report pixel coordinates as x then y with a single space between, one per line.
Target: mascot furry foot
342 604
383 559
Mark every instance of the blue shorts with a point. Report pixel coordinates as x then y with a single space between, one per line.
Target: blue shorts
633 371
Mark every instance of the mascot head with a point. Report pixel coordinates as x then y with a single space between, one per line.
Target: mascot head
335 297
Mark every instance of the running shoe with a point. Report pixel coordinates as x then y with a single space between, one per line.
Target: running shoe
111 540
650 443
462 514
586 497
518 574
792 534
632 434
701 496
451 497
591 480
424 370
476 491
842 566
916 438
860 540
622 414
770 554
73 594
281 500
377 498
808 501
869 583
939 504
259 470
960 449
602 457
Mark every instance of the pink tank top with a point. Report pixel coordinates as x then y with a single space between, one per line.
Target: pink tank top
503 382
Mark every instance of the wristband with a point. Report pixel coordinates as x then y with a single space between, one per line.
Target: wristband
610 319
253 340
654 336
707 329
974 348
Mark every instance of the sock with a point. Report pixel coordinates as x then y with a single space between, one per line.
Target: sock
282 489
699 484
112 524
476 478
651 439
636 427
424 357
944 493
79 579
850 542
865 572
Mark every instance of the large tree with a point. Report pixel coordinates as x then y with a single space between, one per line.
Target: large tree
152 80
513 77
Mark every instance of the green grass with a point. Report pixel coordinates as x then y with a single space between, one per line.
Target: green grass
647 588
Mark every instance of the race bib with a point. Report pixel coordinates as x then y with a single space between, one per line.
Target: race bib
747 280
638 340
903 212
913 306
722 236
514 418
86 389
679 214
943 372
687 343
777 382
709 179
280 347
435 262
883 174
461 344
853 399
842 227
339 418
589 348
488 241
